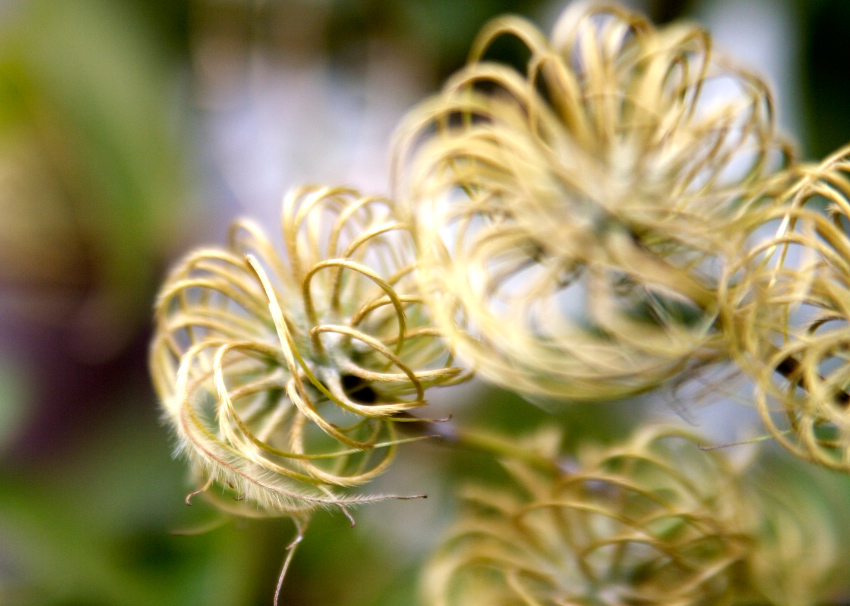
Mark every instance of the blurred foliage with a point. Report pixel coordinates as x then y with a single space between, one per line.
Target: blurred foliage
90 147
826 74
96 529
14 394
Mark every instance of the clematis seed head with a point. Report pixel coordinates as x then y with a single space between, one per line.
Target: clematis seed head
283 373
574 217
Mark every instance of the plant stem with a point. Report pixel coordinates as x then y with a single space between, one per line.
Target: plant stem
484 443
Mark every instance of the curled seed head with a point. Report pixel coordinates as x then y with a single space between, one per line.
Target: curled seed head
283 373
573 218
653 521
791 315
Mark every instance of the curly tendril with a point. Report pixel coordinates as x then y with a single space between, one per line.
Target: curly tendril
283 375
791 315
654 521
573 218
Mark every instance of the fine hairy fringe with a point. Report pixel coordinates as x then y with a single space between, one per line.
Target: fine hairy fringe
283 375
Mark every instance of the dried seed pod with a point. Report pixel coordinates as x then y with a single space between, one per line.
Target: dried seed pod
283 374
573 220
653 521
791 315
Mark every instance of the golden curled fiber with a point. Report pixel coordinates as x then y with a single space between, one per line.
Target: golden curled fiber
791 315
282 374
655 521
573 219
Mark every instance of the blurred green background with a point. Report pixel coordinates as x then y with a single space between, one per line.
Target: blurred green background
130 132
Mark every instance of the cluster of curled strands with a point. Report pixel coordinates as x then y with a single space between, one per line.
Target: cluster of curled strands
284 373
791 315
654 521
589 226
573 217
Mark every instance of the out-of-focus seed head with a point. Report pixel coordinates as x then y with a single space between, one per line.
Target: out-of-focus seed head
573 219
653 521
283 373
791 315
